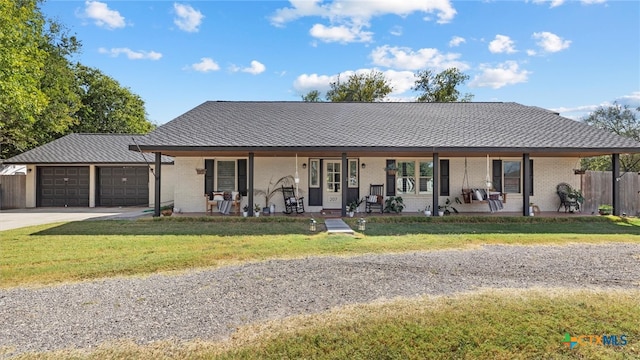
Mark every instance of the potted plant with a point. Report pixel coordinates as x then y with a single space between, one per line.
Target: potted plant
256 210
605 209
166 210
272 189
427 211
446 208
353 206
245 211
576 195
394 204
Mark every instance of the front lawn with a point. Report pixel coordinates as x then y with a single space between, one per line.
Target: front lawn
84 250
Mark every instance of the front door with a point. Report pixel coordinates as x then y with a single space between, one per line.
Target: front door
332 187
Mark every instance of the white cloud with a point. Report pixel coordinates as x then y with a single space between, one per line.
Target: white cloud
255 68
103 16
131 55
502 44
407 59
556 3
550 42
349 17
456 41
341 34
205 65
507 73
187 18
579 112
396 31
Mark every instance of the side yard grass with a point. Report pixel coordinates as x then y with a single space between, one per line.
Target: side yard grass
84 250
489 324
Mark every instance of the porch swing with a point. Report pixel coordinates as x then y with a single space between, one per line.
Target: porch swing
495 199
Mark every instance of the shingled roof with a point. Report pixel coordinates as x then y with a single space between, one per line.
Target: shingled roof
86 149
219 125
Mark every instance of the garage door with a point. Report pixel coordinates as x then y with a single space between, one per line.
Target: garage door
123 186
63 186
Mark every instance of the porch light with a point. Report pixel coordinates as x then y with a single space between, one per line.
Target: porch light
363 165
304 165
362 224
312 224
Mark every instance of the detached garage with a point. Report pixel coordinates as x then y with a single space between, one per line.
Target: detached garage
88 170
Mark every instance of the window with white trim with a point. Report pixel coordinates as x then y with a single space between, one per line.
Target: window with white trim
314 173
414 177
353 173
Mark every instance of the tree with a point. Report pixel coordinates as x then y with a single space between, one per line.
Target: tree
441 87
312 96
360 88
620 120
22 61
107 107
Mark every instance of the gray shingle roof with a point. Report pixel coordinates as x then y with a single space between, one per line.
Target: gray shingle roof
86 149
216 124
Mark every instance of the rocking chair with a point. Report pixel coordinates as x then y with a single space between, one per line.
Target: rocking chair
291 201
375 198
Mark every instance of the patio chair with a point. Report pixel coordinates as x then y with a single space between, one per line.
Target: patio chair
375 198
291 201
570 203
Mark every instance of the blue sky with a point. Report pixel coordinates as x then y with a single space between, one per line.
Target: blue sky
568 56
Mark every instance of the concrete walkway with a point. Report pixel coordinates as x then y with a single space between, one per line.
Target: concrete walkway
337 226
17 218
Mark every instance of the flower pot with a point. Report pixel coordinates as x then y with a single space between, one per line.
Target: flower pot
256 214
530 210
245 213
427 213
272 208
350 213
265 210
440 213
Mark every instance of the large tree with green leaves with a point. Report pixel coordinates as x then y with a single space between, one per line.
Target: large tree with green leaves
106 106
312 96
620 120
43 96
22 63
360 88
441 87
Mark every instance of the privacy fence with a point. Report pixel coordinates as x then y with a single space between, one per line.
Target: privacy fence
13 191
597 189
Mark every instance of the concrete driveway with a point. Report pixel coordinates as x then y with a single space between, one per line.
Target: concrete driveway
17 218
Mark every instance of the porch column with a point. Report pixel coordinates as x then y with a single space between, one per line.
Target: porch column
615 160
345 181
156 175
436 183
526 189
250 192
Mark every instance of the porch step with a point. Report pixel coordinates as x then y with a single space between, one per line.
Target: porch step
337 226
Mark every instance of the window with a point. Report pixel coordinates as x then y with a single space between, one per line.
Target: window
512 176
353 173
314 173
410 181
226 179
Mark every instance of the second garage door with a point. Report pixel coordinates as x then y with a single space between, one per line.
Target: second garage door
63 186
123 186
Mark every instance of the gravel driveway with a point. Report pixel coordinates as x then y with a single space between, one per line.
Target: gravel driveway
210 304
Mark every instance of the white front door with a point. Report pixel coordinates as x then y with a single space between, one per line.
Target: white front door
332 185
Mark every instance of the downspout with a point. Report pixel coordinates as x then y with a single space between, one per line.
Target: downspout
345 178
526 174
615 159
436 182
250 194
158 170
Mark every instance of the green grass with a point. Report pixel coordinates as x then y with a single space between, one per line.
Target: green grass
489 324
75 251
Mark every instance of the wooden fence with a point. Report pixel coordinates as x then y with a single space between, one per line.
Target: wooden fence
597 189
13 191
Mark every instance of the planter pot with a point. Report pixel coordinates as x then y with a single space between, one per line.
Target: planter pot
440 213
265 210
256 214
427 213
530 210
272 208
245 213
350 213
